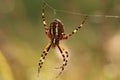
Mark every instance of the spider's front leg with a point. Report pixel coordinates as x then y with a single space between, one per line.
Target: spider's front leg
65 36
44 22
43 55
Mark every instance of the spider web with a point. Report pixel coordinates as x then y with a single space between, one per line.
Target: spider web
55 11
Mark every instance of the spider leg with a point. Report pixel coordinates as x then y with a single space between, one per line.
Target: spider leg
44 21
64 59
43 55
65 36
66 54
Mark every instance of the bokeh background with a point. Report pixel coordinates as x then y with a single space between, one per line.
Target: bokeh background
94 50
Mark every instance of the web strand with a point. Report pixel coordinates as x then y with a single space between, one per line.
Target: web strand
79 14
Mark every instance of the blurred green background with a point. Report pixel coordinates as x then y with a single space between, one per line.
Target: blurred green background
94 50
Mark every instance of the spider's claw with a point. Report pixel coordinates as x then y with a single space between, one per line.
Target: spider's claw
58 74
62 69
38 71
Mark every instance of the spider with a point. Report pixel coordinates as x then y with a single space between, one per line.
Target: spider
56 33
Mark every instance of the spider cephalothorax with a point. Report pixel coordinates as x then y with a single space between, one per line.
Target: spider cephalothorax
56 33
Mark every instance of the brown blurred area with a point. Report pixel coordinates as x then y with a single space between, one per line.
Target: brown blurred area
94 50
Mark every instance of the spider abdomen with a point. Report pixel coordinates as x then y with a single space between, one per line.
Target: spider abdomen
56 29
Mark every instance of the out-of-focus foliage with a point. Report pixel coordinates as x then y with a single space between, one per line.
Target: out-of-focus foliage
5 70
94 50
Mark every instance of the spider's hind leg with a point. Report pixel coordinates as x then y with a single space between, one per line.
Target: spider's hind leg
43 55
65 56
